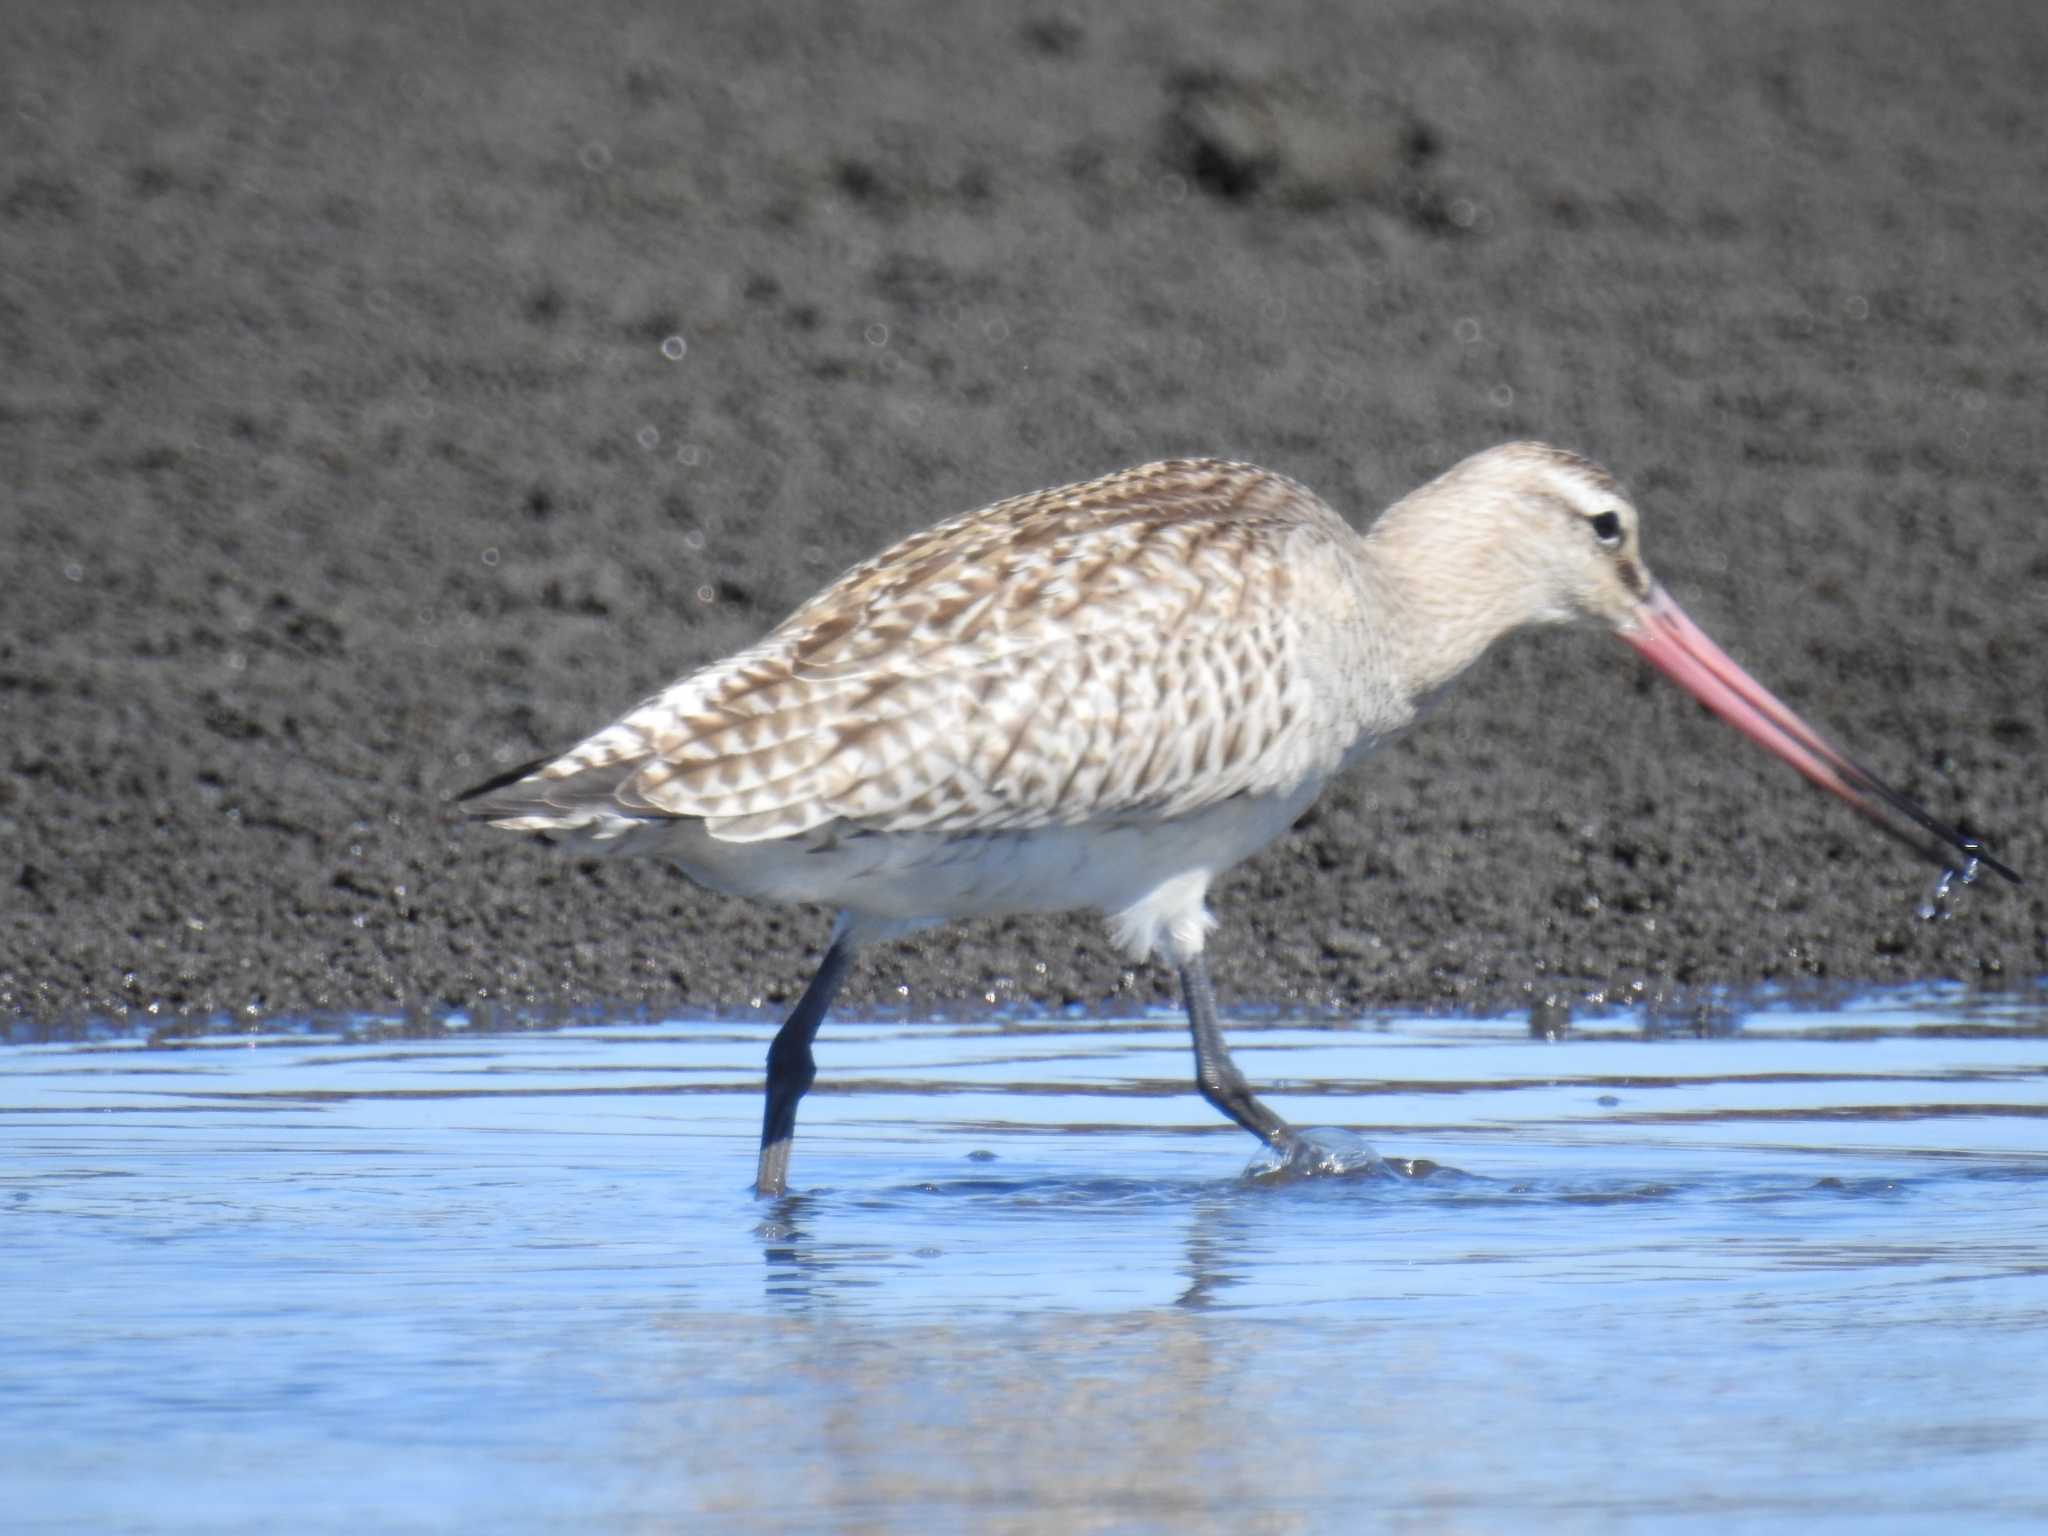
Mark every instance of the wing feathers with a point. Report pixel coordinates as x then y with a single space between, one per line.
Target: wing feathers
1124 647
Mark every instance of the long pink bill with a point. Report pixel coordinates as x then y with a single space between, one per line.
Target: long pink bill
1680 649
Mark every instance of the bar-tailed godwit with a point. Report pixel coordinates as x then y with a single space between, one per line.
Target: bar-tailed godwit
1104 695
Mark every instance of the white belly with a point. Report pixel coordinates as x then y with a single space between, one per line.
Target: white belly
1150 875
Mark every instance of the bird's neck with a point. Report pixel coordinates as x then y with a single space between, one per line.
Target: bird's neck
1453 585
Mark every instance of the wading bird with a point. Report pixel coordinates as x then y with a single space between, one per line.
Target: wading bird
1102 696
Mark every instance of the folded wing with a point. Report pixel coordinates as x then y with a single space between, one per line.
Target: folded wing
1124 647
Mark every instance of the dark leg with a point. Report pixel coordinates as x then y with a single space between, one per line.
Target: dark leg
791 1070
1216 1075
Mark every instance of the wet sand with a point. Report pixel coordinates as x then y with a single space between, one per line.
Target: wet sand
391 397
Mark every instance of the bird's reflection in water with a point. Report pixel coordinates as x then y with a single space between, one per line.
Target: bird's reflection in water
792 1264
817 1245
1213 1259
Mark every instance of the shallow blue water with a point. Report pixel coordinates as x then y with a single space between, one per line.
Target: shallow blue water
1794 1274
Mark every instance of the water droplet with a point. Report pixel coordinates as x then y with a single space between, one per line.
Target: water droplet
674 348
996 330
1466 330
1856 307
594 156
1936 906
1463 212
1502 395
694 539
690 454
706 595
877 335
490 556
1273 311
73 571
648 437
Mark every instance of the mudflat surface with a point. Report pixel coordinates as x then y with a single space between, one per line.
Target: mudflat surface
391 396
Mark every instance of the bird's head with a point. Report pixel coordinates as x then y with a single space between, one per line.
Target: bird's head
1542 534
1530 534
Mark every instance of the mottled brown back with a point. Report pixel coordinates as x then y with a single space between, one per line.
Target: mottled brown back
1125 646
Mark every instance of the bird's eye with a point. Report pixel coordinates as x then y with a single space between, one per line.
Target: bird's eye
1607 528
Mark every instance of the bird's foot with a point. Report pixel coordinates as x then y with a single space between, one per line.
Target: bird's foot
1317 1153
